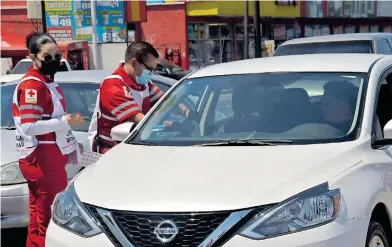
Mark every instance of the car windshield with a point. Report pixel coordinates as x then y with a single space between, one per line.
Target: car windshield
80 97
22 67
293 107
355 46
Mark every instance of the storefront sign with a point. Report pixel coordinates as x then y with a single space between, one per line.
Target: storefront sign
286 3
71 19
239 31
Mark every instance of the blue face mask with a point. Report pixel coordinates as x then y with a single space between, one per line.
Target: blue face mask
144 78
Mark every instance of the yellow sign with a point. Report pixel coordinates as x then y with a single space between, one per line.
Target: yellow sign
237 8
58 5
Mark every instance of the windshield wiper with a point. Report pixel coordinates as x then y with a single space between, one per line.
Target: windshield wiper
247 142
8 127
142 143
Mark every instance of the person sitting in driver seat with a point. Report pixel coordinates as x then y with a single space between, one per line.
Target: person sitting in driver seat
338 104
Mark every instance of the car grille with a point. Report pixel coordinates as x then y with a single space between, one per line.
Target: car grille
193 228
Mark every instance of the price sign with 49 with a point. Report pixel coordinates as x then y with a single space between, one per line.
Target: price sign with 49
65 22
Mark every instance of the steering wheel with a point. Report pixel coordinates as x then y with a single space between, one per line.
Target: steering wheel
187 127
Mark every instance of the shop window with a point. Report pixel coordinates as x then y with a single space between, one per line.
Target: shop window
209 44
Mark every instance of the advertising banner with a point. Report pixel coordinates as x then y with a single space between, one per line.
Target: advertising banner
71 20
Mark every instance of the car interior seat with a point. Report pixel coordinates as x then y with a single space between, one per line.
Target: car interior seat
294 108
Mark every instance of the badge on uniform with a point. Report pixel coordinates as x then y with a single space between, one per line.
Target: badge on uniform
31 96
127 92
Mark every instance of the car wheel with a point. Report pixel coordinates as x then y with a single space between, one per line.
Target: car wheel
376 236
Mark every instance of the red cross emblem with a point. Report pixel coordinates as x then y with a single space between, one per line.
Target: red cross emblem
31 93
31 96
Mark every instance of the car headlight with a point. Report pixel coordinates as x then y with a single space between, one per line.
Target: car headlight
11 174
312 208
69 213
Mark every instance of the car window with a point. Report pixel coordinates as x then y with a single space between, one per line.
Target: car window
22 67
80 97
301 107
356 46
384 47
177 114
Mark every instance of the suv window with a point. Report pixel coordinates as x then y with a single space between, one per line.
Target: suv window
384 47
355 46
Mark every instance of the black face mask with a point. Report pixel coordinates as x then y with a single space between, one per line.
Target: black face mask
49 67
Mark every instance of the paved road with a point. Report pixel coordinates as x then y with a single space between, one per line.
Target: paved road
13 237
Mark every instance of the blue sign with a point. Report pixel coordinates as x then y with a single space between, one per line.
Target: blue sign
71 19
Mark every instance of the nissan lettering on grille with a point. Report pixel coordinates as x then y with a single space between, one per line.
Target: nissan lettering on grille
166 231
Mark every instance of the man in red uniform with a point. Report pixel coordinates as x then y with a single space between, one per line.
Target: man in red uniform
127 95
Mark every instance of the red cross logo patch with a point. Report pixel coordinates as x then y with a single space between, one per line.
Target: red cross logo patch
31 96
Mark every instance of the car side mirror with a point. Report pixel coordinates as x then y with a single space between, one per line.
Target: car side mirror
388 130
121 131
387 141
8 72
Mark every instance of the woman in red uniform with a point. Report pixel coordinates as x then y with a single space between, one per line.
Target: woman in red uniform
43 134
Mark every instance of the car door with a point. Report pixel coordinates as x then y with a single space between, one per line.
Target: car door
382 155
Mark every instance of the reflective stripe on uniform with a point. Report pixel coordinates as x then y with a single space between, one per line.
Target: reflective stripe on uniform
31 107
30 116
157 96
109 118
120 116
47 142
105 138
122 106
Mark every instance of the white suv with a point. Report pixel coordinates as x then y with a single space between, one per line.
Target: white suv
299 159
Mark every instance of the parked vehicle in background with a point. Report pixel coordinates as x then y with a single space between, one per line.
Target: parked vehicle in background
272 174
80 89
22 67
379 43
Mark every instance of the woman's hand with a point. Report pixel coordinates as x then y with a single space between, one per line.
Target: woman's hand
75 119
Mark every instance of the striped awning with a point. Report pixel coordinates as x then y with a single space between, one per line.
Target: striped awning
136 11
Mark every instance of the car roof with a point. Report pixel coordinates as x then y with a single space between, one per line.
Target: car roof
339 37
91 76
297 63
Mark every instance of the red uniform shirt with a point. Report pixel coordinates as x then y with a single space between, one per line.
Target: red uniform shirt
35 101
117 103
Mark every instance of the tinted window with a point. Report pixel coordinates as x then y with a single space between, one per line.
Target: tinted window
22 67
80 97
383 47
358 46
302 107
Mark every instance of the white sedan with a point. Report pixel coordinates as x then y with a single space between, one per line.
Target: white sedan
304 159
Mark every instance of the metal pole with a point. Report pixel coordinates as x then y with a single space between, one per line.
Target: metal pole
246 34
43 12
94 33
257 29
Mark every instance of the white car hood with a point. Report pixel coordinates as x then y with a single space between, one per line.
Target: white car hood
192 179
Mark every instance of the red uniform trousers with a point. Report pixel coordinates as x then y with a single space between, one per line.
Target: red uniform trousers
45 173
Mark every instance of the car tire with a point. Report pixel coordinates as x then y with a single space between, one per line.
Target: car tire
376 236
